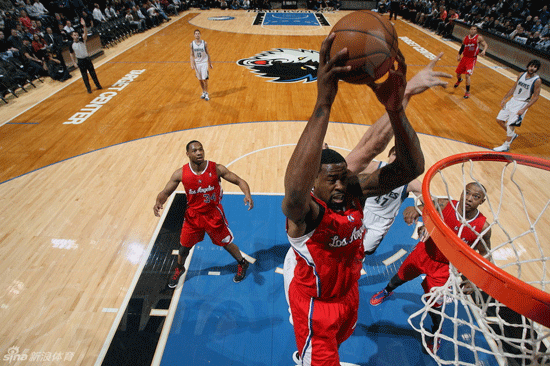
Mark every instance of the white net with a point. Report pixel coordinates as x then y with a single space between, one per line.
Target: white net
476 329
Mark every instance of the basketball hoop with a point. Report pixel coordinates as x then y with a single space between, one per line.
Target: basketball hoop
497 283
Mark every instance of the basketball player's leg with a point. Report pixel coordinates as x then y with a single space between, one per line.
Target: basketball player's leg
468 81
218 230
409 270
190 235
508 119
316 326
436 276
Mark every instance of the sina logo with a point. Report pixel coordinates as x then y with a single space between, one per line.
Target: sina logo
284 65
350 218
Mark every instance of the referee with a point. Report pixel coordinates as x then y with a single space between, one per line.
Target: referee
79 51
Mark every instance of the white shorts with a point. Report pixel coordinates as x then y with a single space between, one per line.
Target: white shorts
201 71
509 113
377 228
288 274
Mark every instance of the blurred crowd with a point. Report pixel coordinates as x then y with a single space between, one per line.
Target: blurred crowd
525 22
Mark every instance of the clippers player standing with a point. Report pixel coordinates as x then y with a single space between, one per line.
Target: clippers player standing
323 210
426 257
200 62
525 93
467 55
201 180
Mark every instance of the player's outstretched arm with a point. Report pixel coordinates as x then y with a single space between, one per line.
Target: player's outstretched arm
231 177
171 186
409 162
376 139
303 166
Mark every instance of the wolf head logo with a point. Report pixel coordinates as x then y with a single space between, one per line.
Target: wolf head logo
284 65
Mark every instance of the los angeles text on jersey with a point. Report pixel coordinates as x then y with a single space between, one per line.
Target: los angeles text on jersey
103 98
201 190
355 234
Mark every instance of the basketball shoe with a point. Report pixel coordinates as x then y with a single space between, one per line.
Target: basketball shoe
296 358
458 83
506 145
203 95
176 277
206 97
467 95
241 271
379 297
433 346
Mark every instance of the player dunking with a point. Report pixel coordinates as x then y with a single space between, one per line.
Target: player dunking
323 207
524 93
204 213
426 257
467 55
200 62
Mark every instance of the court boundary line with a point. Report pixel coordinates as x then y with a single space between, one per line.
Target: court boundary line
227 124
123 306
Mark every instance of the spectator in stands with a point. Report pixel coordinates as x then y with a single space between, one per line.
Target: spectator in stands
24 18
246 4
111 12
537 27
56 69
98 15
33 64
160 11
15 39
40 9
39 46
544 15
518 32
68 28
85 14
135 21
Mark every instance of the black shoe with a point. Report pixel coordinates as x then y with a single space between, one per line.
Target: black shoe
241 271
89 91
99 87
176 277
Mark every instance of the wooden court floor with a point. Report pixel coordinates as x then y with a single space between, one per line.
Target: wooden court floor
76 199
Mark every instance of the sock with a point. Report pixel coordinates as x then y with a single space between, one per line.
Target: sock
395 282
468 88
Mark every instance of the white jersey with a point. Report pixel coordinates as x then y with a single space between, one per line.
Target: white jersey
387 205
199 51
525 88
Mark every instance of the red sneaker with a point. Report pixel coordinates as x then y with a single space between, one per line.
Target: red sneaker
379 297
176 277
433 347
241 271
467 95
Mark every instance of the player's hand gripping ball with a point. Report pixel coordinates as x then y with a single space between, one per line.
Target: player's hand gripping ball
372 45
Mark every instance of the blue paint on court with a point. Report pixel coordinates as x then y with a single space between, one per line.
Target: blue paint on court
299 19
219 322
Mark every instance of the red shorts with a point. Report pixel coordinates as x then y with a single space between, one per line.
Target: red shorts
321 326
466 65
212 222
418 262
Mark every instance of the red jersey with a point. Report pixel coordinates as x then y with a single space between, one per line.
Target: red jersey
450 217
203 189
329 258
471 46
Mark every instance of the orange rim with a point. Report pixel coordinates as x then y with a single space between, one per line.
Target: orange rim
507 289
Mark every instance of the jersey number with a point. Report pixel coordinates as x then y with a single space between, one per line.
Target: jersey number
209 198
381 198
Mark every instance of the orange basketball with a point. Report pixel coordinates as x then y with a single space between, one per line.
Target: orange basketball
372 44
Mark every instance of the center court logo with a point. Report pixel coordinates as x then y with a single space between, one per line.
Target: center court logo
284 65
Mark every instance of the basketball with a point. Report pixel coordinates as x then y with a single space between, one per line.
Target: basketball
372 44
